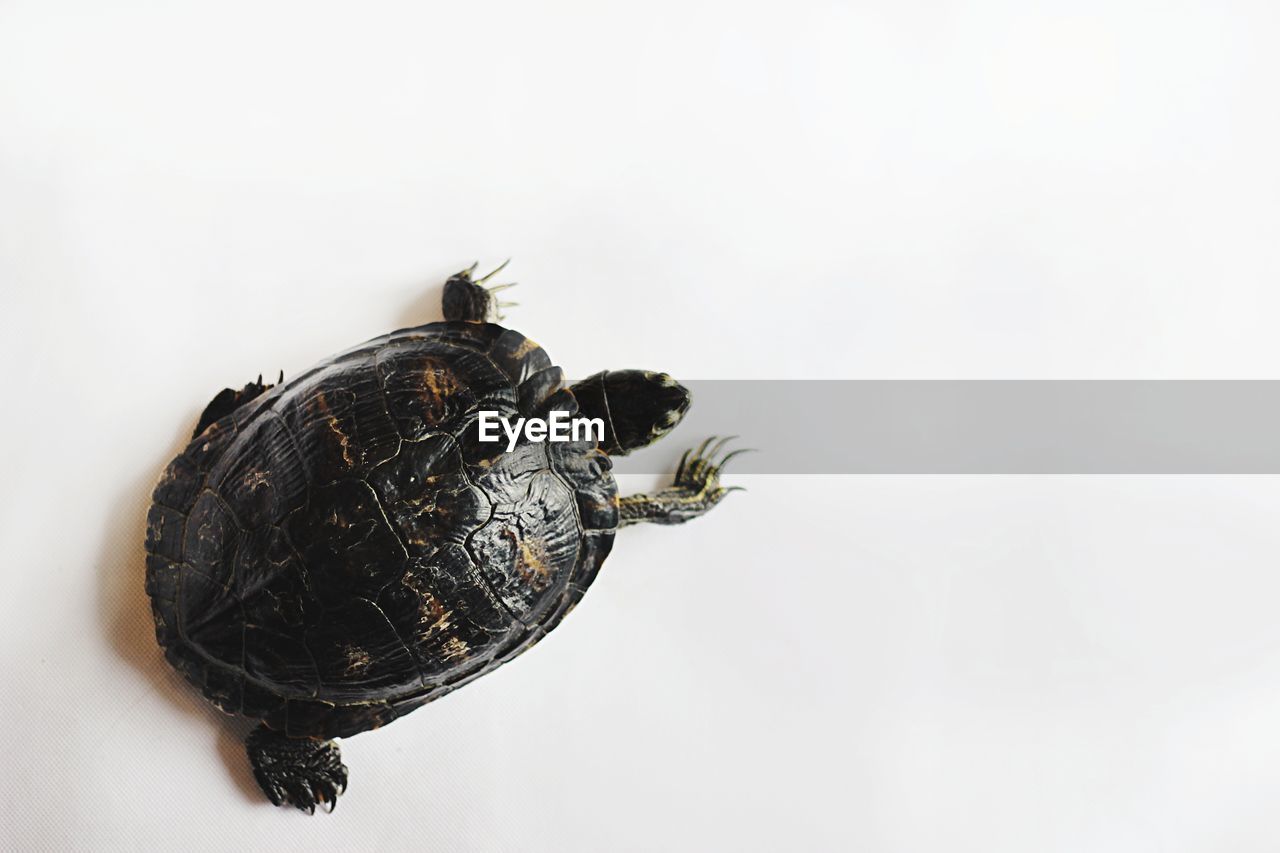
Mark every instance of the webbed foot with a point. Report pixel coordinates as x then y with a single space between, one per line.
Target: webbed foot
696 489
468 299
299 771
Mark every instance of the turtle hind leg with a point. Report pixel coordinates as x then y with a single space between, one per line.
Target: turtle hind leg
695 491
299 771
228 400
468 299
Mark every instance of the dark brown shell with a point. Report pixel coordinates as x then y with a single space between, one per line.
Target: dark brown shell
343 550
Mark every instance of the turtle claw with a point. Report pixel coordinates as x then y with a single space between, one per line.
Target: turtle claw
301 772
228 400
695 491
699 473
702 472
724 460
482 279
499 304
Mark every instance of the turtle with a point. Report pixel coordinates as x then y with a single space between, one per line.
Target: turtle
331 553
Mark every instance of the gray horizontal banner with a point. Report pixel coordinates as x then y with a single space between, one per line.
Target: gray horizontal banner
981 427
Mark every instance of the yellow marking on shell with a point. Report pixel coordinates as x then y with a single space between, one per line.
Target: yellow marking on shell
439 379
531 563
331 420
358 660
438 384
433 618
254 479
526 346
342 440
454 648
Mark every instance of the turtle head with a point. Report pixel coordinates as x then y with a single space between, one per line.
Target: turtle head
637 407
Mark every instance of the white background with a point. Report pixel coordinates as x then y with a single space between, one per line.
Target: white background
191 194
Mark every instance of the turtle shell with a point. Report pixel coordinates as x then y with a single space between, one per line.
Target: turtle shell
343 549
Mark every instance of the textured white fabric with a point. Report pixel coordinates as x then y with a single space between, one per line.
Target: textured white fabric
193 194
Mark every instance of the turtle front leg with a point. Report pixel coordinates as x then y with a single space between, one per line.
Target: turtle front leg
695 491
297 771
468 299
